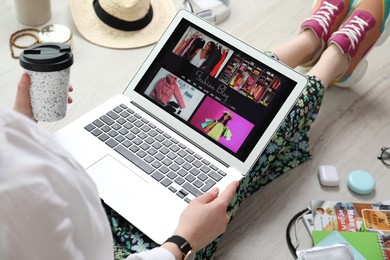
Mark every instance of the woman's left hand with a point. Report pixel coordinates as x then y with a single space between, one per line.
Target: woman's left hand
22 101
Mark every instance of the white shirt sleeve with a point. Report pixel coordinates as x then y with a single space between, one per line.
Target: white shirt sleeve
49 207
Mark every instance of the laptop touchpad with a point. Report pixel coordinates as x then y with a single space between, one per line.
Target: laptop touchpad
112 179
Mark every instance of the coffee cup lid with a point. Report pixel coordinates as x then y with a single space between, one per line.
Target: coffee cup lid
46 57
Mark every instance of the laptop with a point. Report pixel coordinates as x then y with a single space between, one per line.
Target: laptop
197 114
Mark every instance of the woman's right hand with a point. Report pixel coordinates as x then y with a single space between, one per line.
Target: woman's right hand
205 218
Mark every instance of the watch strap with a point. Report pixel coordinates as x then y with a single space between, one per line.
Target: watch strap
181 242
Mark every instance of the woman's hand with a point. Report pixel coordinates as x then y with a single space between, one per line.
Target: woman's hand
205 218
22 101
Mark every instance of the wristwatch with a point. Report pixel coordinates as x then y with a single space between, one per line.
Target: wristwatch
183 245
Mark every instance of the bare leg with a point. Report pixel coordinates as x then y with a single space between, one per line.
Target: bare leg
330 66
299 50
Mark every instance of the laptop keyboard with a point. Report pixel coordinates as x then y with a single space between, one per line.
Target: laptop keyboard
157 153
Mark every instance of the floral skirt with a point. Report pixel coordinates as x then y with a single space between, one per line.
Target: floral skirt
287 149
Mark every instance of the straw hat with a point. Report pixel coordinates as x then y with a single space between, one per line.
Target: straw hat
122 24
228 113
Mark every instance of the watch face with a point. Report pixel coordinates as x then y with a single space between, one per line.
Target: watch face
190 255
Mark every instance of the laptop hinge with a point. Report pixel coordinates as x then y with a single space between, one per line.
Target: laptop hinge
174 130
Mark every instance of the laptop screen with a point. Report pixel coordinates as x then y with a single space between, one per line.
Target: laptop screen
216 89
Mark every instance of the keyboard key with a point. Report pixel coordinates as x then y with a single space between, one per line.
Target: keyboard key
172 175
172 189
157 176
124 114
174 167
120 138
182 153
121 121
167 162
130 136
198 183
167 143
107 120
149 140
98 123
149 159
222 173
209 183
137 115
193 190
128 125
134 159
190 178
215 175
187 166
118 109
112 133
89 127
172 156
189 158
141 153
174 148
103 137
152 151
194 171
182 172
111 143
164 169
116 126
202 177
156 164
197 164
159 156
96 132
113 115
179 180
127 143
123 131
145 146
205 169
105 128
166 182
179 161
131 119
152 133
164 150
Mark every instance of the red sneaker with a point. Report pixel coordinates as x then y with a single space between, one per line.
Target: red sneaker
365 28
327 15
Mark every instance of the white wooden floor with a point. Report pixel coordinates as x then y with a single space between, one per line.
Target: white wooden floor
351 127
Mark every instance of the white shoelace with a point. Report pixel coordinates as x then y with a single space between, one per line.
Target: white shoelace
354 29
324 15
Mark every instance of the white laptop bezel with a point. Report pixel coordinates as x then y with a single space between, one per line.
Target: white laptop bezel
191 134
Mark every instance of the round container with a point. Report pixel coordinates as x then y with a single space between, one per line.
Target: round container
48 65
361 182
56 33
33 12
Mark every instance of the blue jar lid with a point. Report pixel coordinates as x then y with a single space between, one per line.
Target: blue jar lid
361 182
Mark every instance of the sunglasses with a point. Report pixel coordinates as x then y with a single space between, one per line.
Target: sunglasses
385 156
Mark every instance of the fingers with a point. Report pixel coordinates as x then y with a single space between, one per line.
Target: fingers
70 99
209 196
22 100
23 88
227 195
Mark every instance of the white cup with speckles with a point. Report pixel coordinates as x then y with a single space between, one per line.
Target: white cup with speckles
48 65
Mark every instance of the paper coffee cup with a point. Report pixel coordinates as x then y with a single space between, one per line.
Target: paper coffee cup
48 65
